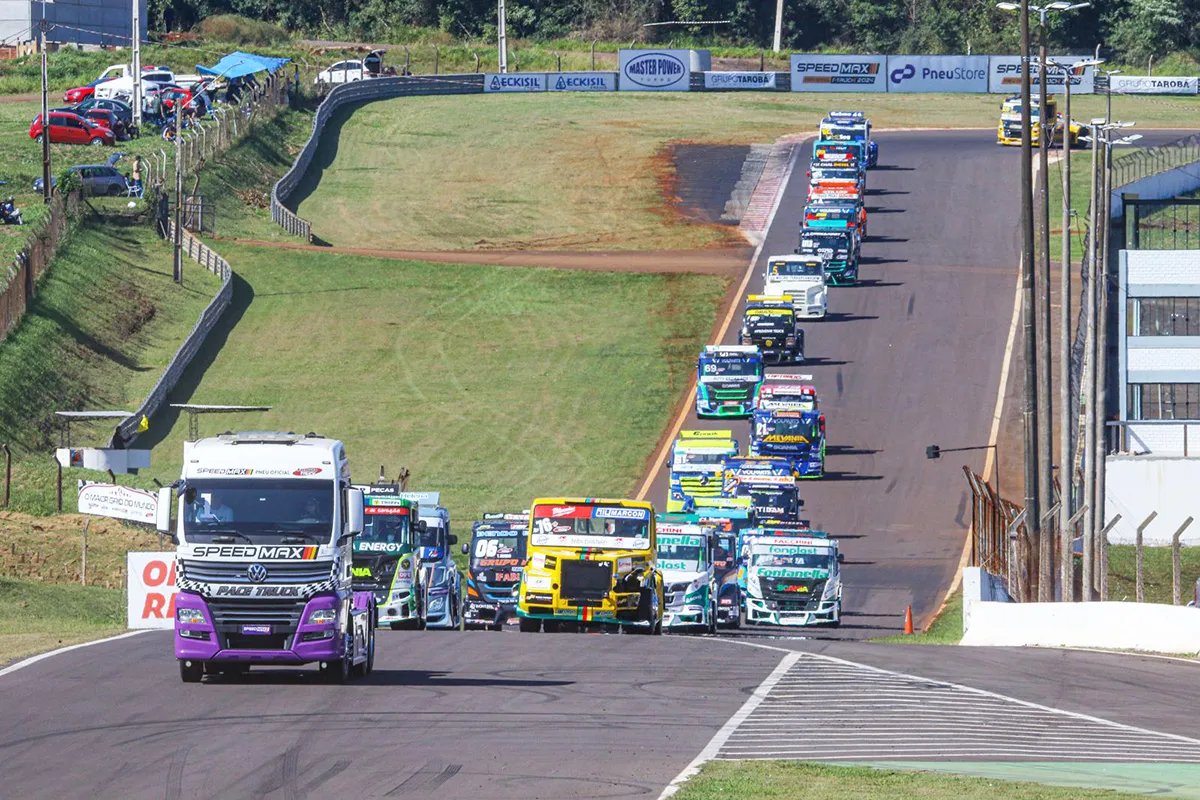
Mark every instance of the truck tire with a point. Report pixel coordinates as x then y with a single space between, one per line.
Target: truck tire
336 671
530 625
366 667
191 671
712 619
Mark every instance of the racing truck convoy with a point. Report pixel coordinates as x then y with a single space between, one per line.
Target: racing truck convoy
787 424
793 580
769 483
685 556
497 558
385 556
727 381
697 466
592 562
770 324
850 126
800 277
264 531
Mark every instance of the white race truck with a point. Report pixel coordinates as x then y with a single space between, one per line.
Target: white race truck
793 580
801 277
685 556
265 524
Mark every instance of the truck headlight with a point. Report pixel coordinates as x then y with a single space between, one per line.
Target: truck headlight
190 616
437 604
322 616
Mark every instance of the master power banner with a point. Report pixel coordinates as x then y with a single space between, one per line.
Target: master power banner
1148 84
150 590
816 73
655 70
958 74
581 82
514 82
739 80
1004 76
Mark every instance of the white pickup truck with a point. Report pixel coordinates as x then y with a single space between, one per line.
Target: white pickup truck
116 82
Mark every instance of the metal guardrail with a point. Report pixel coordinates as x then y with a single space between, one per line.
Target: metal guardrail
1149 161
1172 437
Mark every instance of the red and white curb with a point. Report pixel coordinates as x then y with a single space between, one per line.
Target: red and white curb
765 198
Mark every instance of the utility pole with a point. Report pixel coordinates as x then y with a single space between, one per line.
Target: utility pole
1033 514
136 40
1066 467
1046 128
778 25
178 192
1088 385
46 188
502 33
1101 359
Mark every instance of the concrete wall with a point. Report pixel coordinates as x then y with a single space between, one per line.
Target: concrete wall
1146 627
981 586
1172 183
1137 485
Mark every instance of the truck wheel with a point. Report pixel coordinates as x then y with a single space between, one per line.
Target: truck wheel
530 625
191 671
366 667
712 619
336 671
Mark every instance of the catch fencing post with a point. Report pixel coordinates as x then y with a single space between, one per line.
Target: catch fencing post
1104 556
1176 567
83 562
593 55
1138 555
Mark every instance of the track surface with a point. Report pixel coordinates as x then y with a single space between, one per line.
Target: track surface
909 357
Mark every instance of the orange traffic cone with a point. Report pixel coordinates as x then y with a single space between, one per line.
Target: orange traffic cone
908 628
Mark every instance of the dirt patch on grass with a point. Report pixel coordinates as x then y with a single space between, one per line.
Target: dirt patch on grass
695 199
50 549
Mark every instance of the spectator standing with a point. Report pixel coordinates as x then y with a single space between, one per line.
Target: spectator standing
136 176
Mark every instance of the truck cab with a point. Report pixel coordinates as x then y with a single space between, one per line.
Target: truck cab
593 563
838 249
836 174
834 215
800 277
727 381
697 466
793 580
844 153
264 529
769 483
497 553
385 556
685 556
440 580
787 424
771 325
726 523
840 126
1008 132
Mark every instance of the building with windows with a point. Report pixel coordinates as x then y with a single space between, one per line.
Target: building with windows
86 22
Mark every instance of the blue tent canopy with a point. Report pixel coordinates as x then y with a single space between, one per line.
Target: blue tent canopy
237 64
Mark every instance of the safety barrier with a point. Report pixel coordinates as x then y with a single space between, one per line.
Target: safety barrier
33 260
1149 161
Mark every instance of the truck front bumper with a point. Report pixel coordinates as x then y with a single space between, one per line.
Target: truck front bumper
685 617
765 612
301 644
397 611
618 608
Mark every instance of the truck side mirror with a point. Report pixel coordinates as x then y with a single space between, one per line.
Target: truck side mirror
453 539
466 548
162 517
422 525
841 557
354 511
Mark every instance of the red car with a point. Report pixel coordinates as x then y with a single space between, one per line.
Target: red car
79 94
175 94
68 128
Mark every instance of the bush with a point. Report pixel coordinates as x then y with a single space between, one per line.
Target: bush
240 30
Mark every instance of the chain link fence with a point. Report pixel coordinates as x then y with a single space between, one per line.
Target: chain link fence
1149 161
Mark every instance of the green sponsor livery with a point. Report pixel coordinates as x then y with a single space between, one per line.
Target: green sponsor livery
786 550
785 572
680 540
677 565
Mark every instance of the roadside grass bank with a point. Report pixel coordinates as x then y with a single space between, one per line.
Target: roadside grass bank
798 780
491 384
49 549
571 171
1156 571
106 320
35 617
946 627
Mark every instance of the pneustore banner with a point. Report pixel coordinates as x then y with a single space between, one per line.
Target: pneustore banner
959 74
655 70
581 82
514 82
814 73
150 590
739 80
1004 76
1148 84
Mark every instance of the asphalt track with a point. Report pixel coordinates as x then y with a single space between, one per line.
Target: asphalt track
909 357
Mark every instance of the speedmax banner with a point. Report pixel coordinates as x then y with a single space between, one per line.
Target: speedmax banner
818 73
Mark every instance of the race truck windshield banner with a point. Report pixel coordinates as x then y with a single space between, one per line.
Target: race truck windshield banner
812 73
739 80
655 70
1004 76
118 502
514 82
582 525
959 74
581 82
150 590
1148 84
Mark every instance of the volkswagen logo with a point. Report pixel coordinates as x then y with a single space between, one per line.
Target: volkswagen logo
257 573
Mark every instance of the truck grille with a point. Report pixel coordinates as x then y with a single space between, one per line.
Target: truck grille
776 589
232 614
697 486
675 593
584 581
277 573
740 393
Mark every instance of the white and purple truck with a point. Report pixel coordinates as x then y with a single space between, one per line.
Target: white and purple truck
264 533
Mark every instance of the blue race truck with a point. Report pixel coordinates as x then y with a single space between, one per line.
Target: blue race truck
787 424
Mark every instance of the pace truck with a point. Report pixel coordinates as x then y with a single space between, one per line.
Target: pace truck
385 558
264 529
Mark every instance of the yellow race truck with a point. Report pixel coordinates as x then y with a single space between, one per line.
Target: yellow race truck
1009 130
591 564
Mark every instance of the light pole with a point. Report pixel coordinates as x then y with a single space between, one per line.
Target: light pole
136 63
778 24
502 35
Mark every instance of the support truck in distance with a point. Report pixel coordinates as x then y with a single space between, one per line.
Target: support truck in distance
685 556
793 580
263 559
592 564
800 277
385 562
727 381
788 425
697 466
497 558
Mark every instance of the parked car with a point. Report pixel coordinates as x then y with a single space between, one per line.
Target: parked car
174 94
123 110
371 66
80 93
95 179
69 128
110 120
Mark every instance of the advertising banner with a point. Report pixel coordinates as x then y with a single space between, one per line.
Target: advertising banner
655 70
1148 84
150 590
958 74
514 82
813 73
1004 76
581 82
118 502
739 80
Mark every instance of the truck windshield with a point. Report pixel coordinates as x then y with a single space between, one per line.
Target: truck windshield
829 174
771 500
786 430
386 528
684 553
767 321
726 367
591 526
830 245
497 550
684 459
820 560
795 268
258 510
433 536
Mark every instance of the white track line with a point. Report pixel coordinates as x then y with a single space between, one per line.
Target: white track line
40 656
722 736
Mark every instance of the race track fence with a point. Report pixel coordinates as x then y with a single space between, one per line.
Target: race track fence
997 545
33 260
350 94
1148 161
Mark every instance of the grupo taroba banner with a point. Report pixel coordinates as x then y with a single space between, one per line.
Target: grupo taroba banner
817 73
960 74
739 80
1149 84
581 82
514 82
655 70
1004 76
118 502
150 589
